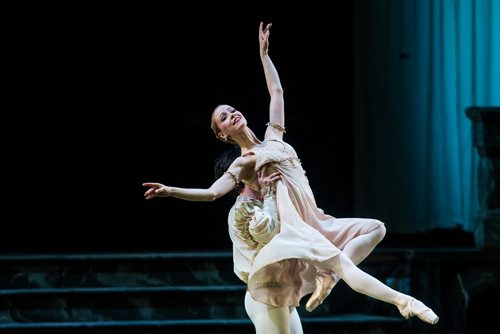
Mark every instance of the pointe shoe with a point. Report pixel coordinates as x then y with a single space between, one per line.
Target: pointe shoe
415 308
325 282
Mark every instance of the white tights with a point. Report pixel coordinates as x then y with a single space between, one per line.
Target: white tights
345 267
361 282
360 247
272 319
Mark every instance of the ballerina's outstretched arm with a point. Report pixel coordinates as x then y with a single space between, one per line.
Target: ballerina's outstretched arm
276 125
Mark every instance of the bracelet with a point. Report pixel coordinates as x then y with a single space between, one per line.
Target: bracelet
276 126
235 179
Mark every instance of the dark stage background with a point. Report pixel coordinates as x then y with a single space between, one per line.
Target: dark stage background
103 96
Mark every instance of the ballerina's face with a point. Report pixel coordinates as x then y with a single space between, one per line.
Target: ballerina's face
227 121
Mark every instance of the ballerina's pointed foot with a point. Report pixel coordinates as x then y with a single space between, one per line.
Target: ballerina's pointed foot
415 308
324 285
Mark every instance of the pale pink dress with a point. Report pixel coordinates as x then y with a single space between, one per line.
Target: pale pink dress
283 271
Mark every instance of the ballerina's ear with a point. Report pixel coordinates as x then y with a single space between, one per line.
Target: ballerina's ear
222 136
